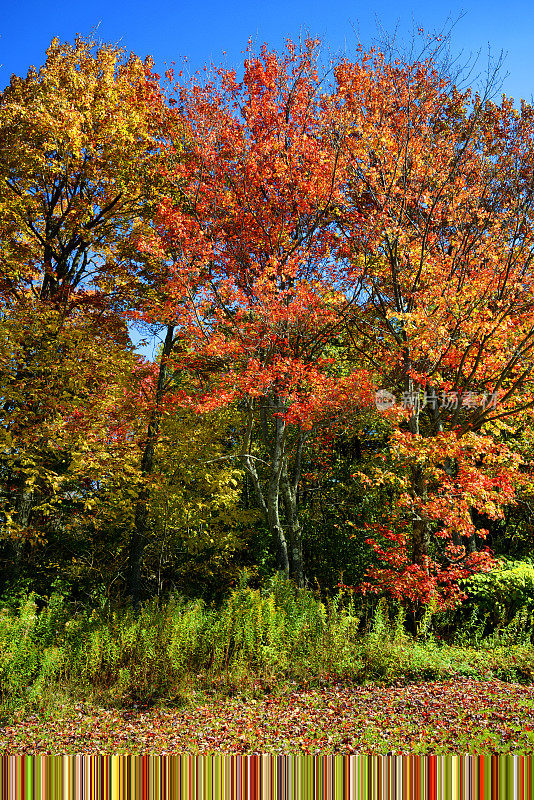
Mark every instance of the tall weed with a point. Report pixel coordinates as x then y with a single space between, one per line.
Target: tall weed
257 640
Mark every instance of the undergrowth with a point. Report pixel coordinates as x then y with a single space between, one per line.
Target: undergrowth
257 641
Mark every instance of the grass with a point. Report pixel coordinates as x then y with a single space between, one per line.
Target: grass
279 643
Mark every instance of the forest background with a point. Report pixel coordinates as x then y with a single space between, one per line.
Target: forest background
324 471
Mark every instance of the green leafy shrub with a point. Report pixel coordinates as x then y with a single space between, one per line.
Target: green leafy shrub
501 597
19 649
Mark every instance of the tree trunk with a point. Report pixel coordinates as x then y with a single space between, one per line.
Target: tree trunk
421 533
281 485
270 502
24 504
297 561
273 492
142 506
24 509
271 512
275 527
470 544
295 530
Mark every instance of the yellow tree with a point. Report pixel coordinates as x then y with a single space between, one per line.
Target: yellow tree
79 150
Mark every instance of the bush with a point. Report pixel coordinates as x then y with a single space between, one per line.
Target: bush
501 598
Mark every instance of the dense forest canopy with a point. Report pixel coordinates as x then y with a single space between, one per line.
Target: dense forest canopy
339 269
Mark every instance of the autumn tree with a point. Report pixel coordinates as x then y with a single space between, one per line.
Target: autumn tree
75 438
437 227
79 141
253 252
78 148
391 214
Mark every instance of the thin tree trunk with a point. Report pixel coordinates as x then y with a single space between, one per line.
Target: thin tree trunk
142 507
24 505
269 503
470 544
24 509
420 536
421 533
295 533
290 497
273 491
270 510
277 531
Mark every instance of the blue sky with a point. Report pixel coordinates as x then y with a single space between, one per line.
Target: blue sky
201 31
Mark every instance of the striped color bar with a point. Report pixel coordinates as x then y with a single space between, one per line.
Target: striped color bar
266 776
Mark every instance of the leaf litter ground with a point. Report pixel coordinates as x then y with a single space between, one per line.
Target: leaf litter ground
461 716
